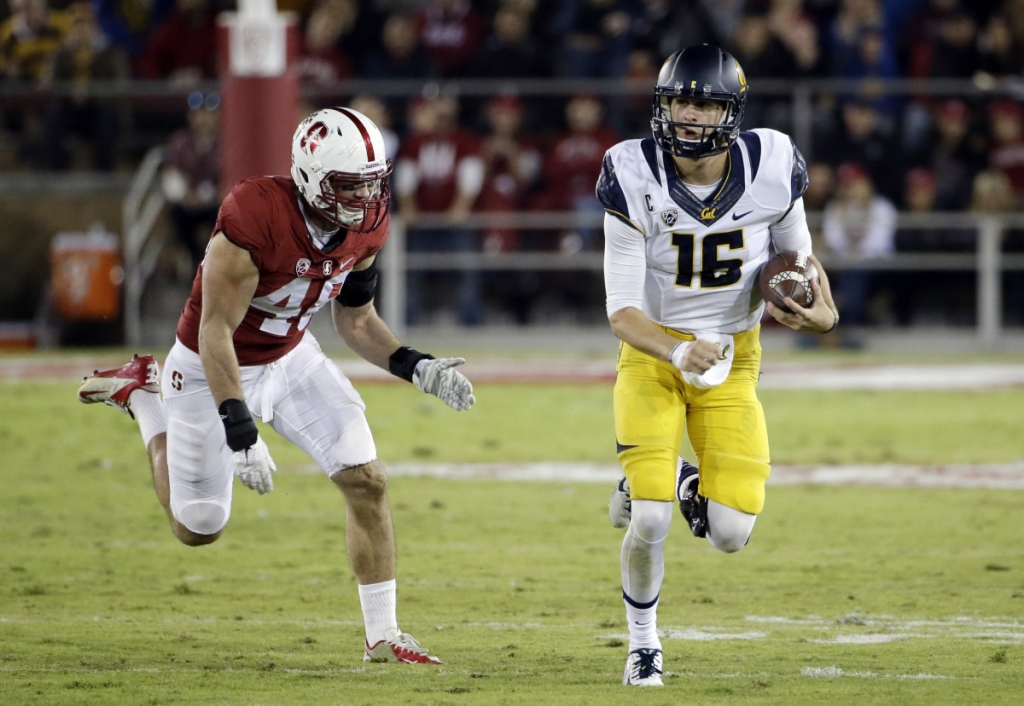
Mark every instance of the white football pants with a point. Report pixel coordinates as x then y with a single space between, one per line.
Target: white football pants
303 397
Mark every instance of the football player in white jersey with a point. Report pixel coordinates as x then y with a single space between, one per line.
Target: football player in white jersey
690 215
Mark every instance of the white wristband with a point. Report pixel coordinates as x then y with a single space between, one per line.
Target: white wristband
678 352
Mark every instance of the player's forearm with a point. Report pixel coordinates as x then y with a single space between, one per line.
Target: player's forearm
633 327
365 332
217 351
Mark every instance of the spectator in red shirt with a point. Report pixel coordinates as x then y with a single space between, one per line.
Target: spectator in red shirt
322 62
1007 154
450 31
573 165
511 168
184 47
439 172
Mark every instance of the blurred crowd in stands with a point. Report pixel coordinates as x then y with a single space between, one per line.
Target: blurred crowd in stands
871 153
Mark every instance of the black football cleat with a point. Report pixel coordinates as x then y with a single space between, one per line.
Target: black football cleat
693 505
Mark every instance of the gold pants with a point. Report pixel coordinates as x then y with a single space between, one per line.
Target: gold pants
654 407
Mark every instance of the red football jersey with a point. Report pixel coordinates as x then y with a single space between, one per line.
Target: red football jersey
262 215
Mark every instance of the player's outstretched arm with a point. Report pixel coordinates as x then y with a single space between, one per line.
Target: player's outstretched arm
365 332
821 317
229 282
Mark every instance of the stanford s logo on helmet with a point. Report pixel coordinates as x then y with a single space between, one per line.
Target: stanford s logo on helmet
705 72
316 132
338 147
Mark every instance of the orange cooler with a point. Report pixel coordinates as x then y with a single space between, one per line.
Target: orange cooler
87 275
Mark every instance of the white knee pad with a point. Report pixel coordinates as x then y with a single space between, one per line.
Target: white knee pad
643 550
651 520
728 529
203 517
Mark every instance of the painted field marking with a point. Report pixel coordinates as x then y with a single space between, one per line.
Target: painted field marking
994 475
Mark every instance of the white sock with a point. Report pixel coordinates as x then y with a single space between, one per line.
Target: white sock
148 409
643 570
643 626
379 613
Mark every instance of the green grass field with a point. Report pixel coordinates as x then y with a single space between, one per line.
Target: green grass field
844 595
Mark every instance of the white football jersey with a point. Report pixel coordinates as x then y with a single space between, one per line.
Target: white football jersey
702 255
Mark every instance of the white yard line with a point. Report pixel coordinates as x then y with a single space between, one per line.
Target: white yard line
1006 476
774 376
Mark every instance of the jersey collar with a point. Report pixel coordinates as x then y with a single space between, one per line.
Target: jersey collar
708 211
324 240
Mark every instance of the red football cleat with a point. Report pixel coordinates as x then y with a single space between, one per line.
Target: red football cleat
399 647
114 387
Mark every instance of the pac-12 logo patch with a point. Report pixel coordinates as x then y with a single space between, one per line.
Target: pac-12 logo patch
302 266
670 216
328 267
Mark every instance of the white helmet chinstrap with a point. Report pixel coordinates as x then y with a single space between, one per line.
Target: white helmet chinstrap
340 146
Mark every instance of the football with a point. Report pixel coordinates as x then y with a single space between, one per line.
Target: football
788 274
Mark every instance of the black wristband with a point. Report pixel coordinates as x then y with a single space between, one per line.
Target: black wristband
834 324
239 427
402 362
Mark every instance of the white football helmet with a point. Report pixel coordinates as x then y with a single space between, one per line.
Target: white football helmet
337 146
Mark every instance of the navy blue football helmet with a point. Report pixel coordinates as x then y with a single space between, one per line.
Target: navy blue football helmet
701 71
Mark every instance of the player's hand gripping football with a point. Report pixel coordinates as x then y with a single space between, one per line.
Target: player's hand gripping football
820 317
439 378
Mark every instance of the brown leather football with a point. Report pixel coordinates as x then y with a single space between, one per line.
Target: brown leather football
788 274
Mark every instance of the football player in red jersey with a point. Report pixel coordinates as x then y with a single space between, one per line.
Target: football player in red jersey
282 248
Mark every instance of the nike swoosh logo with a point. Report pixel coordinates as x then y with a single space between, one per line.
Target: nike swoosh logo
737 216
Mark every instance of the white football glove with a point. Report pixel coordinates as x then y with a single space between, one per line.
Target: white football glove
437 377
253 467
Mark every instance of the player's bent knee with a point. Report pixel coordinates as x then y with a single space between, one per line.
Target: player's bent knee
728 529
191 539
369 480
650 520
202 520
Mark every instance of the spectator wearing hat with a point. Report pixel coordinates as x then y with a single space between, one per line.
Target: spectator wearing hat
1007 153
857 224
191 174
